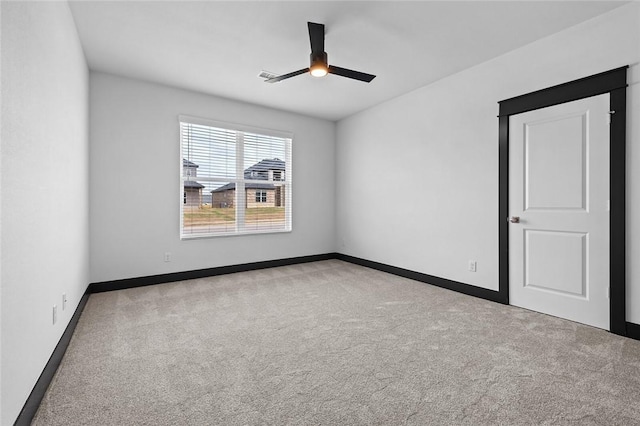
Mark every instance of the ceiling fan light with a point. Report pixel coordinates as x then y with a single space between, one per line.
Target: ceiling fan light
319 64
318 70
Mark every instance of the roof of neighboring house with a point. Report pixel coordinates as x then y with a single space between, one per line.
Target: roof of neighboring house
260 172
232 186
192 184
264 166
187 163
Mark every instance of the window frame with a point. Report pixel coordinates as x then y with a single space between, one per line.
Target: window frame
241 228
261 196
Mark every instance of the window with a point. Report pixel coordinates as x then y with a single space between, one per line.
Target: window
234 179
261 196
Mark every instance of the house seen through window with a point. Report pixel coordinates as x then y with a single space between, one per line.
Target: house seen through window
234 180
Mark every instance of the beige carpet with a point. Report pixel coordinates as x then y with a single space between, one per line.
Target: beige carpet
331 343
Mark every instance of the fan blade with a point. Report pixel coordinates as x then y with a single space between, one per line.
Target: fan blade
285 76
316 37
356 75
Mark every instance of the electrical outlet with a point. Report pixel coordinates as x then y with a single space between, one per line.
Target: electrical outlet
473 265
167 257
55 314
64 301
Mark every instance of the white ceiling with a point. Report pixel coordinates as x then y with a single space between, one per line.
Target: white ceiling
219 48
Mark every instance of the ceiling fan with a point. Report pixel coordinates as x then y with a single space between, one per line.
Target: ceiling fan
319 65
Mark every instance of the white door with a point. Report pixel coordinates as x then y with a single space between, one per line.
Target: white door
559 210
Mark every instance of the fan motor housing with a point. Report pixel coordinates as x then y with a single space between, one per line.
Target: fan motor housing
319 58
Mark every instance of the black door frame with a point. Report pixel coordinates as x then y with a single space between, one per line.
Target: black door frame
613 82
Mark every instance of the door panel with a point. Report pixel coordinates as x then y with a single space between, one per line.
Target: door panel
555 181
559 189
556 262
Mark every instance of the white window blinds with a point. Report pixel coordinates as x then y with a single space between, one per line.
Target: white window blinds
234 180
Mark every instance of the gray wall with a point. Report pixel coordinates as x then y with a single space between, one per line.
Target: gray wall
44 187
418 175
135 181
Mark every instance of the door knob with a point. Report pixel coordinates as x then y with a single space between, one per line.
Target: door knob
514 219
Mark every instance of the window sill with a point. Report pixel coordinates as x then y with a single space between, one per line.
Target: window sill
184 237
